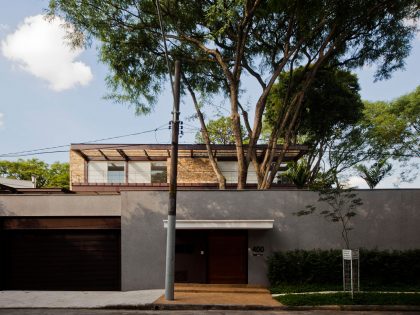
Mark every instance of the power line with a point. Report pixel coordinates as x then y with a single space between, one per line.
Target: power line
36 153
42 150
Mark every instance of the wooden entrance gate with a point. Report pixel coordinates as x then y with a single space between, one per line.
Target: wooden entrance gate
212 256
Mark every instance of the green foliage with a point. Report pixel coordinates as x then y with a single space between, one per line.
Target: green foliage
220 131
54 175
378 269
363 298
332 101
298 173
396 123
132 47
322 287
375 173
58 175
305 287
394 128
331 106
305 267
220 41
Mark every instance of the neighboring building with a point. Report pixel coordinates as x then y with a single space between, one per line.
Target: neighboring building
17 186
17 183
115 167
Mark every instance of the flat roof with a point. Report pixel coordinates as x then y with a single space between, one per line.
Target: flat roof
160 152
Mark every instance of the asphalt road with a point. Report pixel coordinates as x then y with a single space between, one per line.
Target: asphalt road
126 312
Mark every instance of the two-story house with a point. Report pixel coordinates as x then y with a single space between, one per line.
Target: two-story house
112 167
109 233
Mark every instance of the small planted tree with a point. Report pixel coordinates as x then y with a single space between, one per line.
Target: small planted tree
338 204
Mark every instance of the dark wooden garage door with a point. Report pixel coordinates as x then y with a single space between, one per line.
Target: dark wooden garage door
72 254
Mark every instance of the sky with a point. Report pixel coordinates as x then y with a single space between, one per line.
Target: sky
52 96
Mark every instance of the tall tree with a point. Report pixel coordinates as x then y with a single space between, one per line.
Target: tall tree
394 128
331 105
54 175
218 41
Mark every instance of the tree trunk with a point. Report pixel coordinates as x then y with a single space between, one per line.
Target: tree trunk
236 127
204 132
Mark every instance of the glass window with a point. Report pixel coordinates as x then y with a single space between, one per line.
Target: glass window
116 173
159 172
229 170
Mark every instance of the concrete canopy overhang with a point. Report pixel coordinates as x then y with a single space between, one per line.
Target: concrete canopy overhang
222 224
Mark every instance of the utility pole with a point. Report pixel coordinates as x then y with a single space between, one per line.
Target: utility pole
170 239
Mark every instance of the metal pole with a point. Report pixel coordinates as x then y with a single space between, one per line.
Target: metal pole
351 276
170 240
358 274
344 271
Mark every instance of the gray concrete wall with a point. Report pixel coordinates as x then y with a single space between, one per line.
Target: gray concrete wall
388 219
60 205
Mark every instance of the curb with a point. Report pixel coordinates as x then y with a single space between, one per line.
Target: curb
236 307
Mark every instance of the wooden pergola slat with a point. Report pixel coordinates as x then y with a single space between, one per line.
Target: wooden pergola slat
160 152
124 156
103 154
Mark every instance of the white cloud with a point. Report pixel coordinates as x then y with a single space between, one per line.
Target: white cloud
357 182
39 47
3 27
1 119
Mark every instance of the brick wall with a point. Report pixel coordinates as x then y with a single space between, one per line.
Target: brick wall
77 168
194 170
190 170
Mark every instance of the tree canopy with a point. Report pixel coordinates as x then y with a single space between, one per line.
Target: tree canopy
331 105
217 41
220 131
386 133
396 124
53 175
393 128
331 101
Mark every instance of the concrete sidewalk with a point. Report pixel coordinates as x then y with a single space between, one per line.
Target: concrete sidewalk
77 299
207 295
186 295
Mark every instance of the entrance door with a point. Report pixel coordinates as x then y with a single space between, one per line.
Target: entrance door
211 256
191 256
228 259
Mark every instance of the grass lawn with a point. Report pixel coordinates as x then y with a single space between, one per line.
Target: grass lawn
308 287
365 298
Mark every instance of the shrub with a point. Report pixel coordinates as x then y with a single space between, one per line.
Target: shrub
377 268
